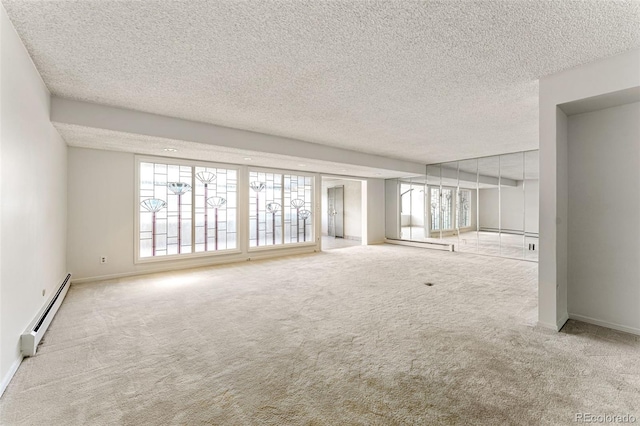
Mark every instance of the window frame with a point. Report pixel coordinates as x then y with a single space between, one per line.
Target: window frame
314 209
470 191
193 164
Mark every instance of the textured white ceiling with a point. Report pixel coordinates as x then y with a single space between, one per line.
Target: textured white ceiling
421 81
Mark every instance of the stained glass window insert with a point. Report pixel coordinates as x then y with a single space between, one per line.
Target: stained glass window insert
165 209
464 208
168 222
280 208
265 209
216 206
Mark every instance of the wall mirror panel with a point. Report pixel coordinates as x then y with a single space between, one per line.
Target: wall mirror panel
443 205
531 204
468 205
486 205
433 203
412 211
489 205
511 196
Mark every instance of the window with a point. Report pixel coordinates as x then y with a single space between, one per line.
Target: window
446 205
216 208
435 208
464 208
298 205
168 223
280 208
441 208
265 209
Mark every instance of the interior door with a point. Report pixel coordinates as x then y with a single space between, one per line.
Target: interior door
331 212
339 211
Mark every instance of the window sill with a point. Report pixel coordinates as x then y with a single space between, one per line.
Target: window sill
187 256
282 246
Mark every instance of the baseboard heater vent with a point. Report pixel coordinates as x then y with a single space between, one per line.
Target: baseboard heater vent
33 334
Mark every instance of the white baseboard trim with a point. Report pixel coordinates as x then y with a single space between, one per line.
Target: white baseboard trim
257 255
425 245
346 237
12 371
601 323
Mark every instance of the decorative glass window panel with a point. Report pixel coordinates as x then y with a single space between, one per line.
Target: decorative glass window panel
280 207
216 206
464 208
172 213
446 205
435 209
265 209
165 209
441 208
298 208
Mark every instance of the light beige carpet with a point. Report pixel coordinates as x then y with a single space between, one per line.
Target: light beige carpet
351 336
331 243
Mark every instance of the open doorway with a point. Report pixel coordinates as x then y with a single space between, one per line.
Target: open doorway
412 213
342 212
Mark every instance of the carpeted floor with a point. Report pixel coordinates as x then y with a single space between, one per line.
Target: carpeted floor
349 336
332 243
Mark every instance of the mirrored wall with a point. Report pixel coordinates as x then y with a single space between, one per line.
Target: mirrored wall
484 205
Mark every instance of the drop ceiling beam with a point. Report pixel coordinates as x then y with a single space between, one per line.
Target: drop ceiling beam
88 114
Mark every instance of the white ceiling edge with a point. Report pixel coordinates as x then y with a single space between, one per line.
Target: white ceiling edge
90 125
607 100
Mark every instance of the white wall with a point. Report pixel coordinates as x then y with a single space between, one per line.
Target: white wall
101 219
34 197
604 218
392 208
373 198
352 207
605 76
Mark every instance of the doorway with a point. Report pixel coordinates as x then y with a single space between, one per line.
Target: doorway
335 210
342 212
412 211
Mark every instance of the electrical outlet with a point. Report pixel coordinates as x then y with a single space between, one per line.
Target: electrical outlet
103 259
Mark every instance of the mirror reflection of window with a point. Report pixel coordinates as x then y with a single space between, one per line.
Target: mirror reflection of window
464 208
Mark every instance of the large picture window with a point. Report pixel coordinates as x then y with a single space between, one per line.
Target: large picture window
168 223
280 208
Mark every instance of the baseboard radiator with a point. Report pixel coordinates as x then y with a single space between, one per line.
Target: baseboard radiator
34 333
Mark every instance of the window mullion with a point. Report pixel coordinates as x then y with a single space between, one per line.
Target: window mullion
193 209
282 240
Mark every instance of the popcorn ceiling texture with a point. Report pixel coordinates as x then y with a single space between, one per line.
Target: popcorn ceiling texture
421 81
